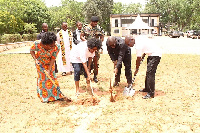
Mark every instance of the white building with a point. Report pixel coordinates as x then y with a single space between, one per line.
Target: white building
119 23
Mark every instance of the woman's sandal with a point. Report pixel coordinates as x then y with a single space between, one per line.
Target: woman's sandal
64 74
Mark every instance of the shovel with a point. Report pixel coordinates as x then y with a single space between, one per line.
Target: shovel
129 91
111 88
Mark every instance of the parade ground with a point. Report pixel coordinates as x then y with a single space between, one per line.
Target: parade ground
175 108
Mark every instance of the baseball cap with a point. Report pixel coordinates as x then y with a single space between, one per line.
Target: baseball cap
94 19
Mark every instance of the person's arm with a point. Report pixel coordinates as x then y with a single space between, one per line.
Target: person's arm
142 58
138 60
50 65
33 55
121 55
32 52
82 36
110 53
89 63
58 38
86 70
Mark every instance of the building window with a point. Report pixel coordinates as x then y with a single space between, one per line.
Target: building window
145 20
116 31
127 21
116 22
152 22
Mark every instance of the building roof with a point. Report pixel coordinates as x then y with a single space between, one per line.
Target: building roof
135 15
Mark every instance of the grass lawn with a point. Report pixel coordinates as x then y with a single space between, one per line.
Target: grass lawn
175 108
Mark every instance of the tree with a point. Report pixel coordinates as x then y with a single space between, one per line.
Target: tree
30 28
118 8
29 11
100 8
132 8
180 14
9 24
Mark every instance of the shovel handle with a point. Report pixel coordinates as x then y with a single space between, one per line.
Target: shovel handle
45 71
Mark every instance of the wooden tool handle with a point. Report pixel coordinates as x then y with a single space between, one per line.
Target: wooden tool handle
50 78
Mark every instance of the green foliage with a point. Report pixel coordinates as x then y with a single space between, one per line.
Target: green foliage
10 24
180 14
27 11
119 8
29 37
30 28
100 8
17 16
71 11
10 38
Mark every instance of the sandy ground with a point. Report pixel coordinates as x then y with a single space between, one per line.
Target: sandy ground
175 107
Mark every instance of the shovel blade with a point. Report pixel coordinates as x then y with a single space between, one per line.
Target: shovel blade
128 92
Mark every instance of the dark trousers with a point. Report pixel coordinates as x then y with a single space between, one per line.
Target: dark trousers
95 63
152 63
127 64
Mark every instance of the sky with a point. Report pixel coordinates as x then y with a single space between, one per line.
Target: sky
57 2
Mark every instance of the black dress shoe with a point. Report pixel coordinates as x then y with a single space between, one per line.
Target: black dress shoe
148 96
95 79
143 90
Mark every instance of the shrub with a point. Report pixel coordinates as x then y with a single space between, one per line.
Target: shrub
29 37
11 38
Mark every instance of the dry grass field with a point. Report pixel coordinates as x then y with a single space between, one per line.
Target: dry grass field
175 108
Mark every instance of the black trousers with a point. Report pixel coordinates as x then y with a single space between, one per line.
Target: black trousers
152 63
127 64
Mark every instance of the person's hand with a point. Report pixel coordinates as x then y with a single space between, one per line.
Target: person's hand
115 71
37 62
136 71
115 63
88 78
48 71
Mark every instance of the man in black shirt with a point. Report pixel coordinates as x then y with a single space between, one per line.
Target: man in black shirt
44 29
119 51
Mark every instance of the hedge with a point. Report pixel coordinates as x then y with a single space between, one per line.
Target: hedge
11 38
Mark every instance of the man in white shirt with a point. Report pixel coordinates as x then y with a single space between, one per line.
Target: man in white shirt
80 55
146 46
63 39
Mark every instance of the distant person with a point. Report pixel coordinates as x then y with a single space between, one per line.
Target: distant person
63 39
119 51
44 29
44 52
146 46
81 55
93 30
77 33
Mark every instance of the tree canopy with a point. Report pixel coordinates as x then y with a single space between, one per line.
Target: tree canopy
23 16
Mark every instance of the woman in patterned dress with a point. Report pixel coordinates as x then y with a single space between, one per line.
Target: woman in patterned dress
45 53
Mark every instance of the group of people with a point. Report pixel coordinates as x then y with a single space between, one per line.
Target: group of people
79 52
